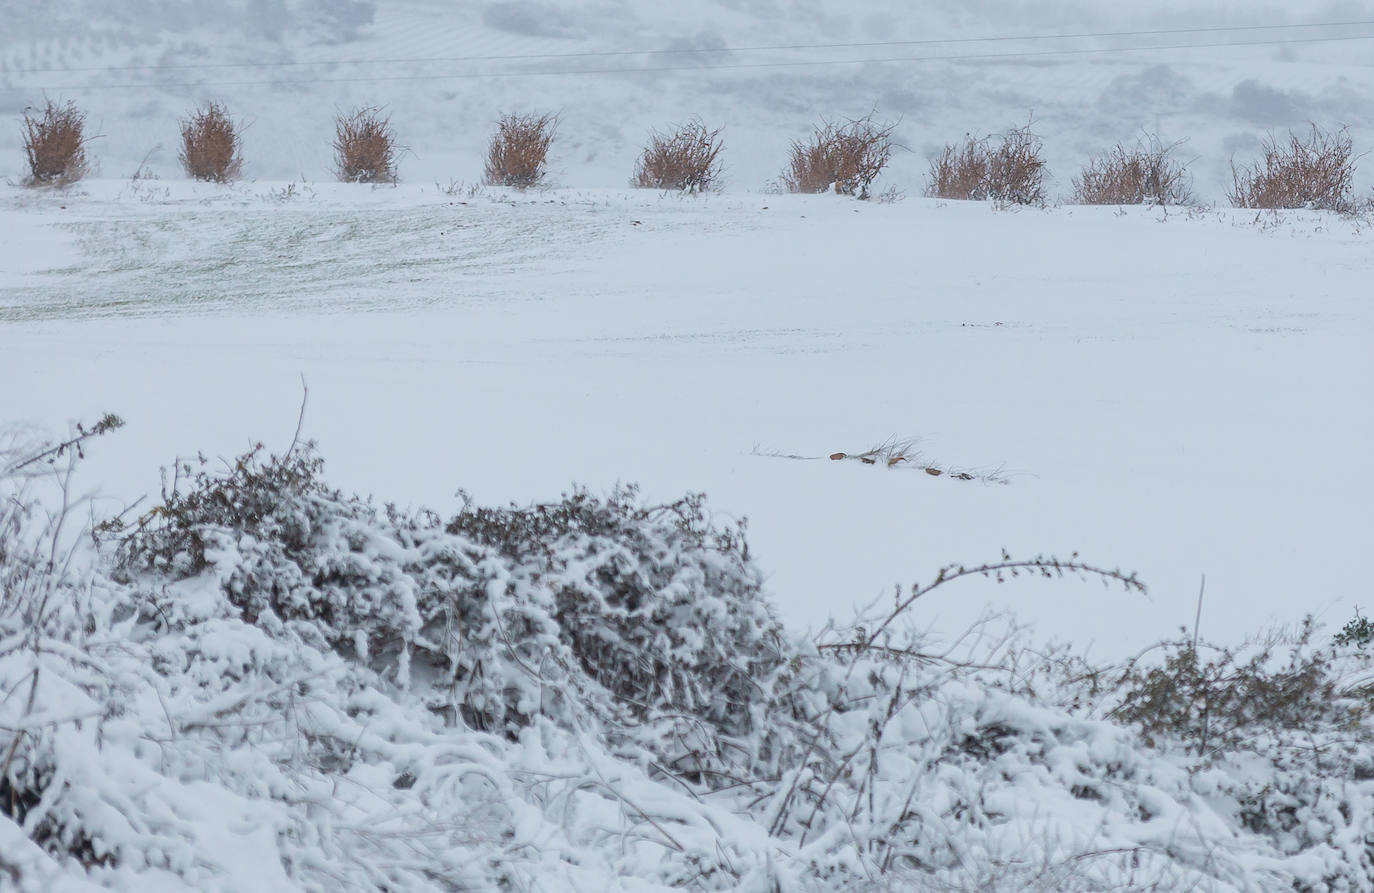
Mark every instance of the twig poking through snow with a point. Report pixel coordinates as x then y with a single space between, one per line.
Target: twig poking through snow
901 453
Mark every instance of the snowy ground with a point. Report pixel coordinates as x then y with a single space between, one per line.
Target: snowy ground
1181 395
1178 393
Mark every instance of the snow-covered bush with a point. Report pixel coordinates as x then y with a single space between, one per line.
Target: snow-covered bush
638 612
1359 631
658 605
1215 699
264 683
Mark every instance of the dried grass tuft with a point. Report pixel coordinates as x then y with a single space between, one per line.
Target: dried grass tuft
960 172
1012 172
55 144
1316 173
518 153
210 145
843 158
1144 175
365 149
688 159
1016 172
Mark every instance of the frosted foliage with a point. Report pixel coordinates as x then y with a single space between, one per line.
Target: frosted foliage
267 684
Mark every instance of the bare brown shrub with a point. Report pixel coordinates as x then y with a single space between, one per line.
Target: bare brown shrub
1013 172
1112 178
518 153
365 147
210 144
55 144
961 172
1144 175
688 159
1016 172
844 158
1312 173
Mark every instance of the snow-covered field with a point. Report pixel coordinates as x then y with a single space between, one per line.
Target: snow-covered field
1178 392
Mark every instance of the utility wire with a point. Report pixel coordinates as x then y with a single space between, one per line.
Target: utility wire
734 66
531 57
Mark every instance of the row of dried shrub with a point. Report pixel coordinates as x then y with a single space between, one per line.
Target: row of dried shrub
686 159
55 139
846 158
365 146
1314 172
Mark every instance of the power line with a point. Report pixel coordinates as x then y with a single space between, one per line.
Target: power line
666 51
740 66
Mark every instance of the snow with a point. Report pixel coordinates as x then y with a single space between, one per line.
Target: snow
1177 392
1170 392
31 250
